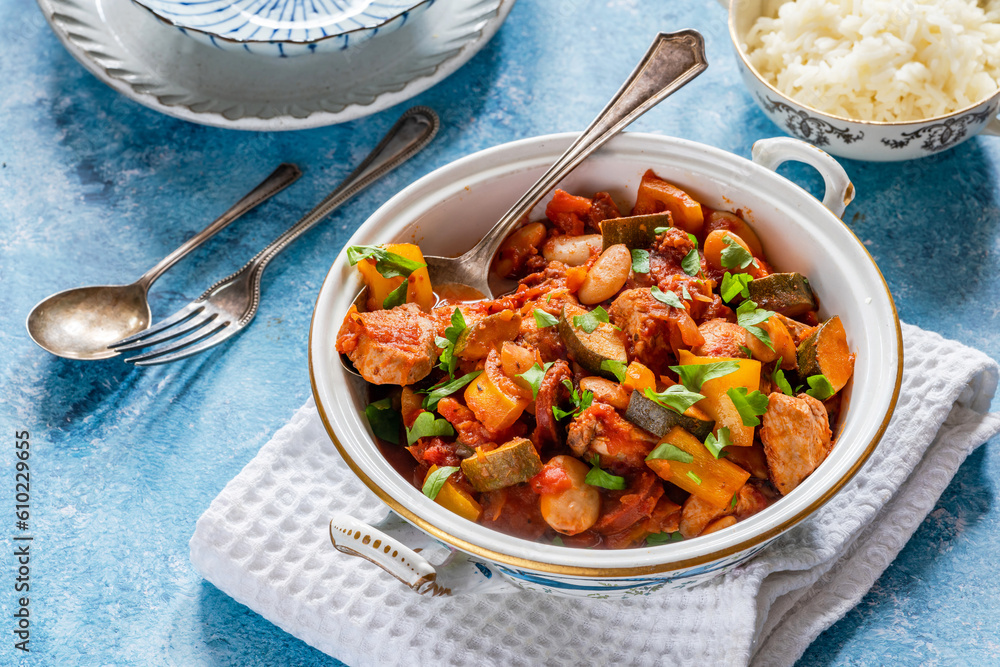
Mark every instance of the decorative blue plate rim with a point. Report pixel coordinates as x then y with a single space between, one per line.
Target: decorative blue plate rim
399 14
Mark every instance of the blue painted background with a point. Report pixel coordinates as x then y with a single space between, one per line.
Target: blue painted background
95 188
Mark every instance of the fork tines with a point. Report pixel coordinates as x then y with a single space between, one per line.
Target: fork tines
193 320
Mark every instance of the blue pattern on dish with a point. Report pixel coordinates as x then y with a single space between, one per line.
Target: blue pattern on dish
284 28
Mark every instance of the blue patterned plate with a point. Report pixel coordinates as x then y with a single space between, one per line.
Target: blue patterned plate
284 27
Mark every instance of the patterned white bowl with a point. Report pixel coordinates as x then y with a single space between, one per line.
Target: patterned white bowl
284 28
874 141
447 211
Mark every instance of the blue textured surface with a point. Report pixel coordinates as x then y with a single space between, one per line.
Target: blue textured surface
95 188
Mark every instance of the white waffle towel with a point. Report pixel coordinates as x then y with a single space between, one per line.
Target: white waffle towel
264 541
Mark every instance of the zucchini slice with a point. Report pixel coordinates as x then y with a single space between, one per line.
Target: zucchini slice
590 350
636 231
785 293
825 352
649 415
512 463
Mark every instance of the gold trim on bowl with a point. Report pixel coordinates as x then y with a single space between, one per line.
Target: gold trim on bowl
577 571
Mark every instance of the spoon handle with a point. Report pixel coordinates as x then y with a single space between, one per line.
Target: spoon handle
671 61
414 130
280 178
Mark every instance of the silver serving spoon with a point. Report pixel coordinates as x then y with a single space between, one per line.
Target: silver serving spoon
80 323
671 62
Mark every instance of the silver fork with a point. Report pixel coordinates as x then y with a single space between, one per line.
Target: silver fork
229 305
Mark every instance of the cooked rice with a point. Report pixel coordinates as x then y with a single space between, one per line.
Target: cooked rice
882 60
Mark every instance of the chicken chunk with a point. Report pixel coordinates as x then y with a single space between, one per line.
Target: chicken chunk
722 339
601 430
653 330
390 346
796 436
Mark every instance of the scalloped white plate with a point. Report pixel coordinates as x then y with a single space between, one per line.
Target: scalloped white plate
158 66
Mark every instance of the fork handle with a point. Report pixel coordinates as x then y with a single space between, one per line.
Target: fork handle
280 178
414 130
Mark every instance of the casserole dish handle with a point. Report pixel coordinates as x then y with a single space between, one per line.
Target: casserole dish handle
429 567
772 153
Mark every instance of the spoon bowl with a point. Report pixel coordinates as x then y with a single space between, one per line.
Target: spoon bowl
81 323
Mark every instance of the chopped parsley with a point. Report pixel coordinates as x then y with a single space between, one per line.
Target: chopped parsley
750 406
388 264
670 298
656 539
544 319
426 426
589 320
748 316
734 285
396 297
533 376
694 477
694 375
820 387
435 481
668 452
778 378
444 388
678 398
602 478
386 422
580 401
447 360
615 367
714 443
640 260
735 255
691 264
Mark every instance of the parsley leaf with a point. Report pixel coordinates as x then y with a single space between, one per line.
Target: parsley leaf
750 406
691 264
447 360
544 319
735 255
388 264
714 443
601 478
640 260
747 351
732 503
384 420
580 401
426 426
589 321
396 297
695 375
677 397
660 230
558 541
748 316
693 239
820 387
656 539
778 377
694 477
670 453
533 376
442 389
669 297
435 481
733 285
684 292
615 367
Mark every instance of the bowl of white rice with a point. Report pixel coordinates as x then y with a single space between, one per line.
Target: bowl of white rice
878 80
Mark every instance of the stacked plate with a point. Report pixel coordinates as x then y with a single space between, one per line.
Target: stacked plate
280 65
